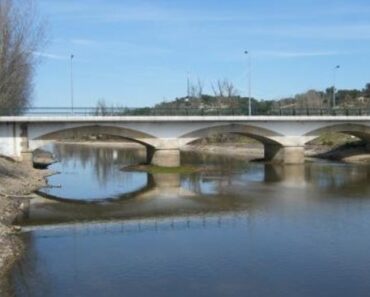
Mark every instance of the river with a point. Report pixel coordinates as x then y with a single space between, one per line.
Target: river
242 229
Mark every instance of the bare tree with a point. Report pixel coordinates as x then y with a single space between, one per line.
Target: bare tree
225 90
21 35
101 108
218 89
196 90
200 87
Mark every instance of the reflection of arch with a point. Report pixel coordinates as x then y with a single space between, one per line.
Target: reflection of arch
125 196
358 130
83 131
262 135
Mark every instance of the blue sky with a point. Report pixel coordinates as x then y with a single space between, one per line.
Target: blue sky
138 53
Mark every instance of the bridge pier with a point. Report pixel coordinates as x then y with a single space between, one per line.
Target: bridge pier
284 154
27 157
26 153
163 157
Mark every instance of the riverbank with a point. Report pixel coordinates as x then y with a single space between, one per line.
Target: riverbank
17 180
355 152
236 150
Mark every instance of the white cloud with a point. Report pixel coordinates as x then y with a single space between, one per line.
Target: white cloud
82 41
50 56
119 47
109 12
341 32
295 54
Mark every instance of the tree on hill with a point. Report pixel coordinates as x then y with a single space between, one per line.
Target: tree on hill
349 98
196 90
309 99
225 93
21 35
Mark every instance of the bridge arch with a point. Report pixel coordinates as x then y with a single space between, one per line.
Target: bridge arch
40 139
275 149
142 138
358 130
265 136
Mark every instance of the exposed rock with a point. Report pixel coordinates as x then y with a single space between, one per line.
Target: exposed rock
42 159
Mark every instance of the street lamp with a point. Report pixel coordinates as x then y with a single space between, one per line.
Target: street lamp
334 77
72 95
187 85
249 82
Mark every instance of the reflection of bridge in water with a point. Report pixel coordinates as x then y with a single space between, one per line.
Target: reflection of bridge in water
80 229
169 195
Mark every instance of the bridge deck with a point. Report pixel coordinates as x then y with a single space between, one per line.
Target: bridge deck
103 119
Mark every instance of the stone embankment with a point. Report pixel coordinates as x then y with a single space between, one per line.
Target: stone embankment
17 180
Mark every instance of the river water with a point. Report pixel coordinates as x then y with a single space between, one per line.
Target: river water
242 229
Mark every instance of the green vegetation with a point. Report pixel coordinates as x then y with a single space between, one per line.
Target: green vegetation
310 99
334 139
180 169
227 138
345 99
225 100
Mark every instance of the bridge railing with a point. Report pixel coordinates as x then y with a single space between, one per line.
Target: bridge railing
149 111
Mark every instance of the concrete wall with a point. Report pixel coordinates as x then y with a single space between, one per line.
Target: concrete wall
286 154
10 140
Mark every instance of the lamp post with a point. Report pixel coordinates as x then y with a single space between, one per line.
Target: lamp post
72 95
187 85
249 82
334 77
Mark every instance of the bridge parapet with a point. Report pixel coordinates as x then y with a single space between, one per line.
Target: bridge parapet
181 111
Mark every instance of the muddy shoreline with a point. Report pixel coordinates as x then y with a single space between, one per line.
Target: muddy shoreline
352 153
17 182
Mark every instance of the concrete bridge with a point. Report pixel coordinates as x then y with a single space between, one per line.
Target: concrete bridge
283 137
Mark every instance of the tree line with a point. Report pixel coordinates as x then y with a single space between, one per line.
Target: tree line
345 99
225 99
226 96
